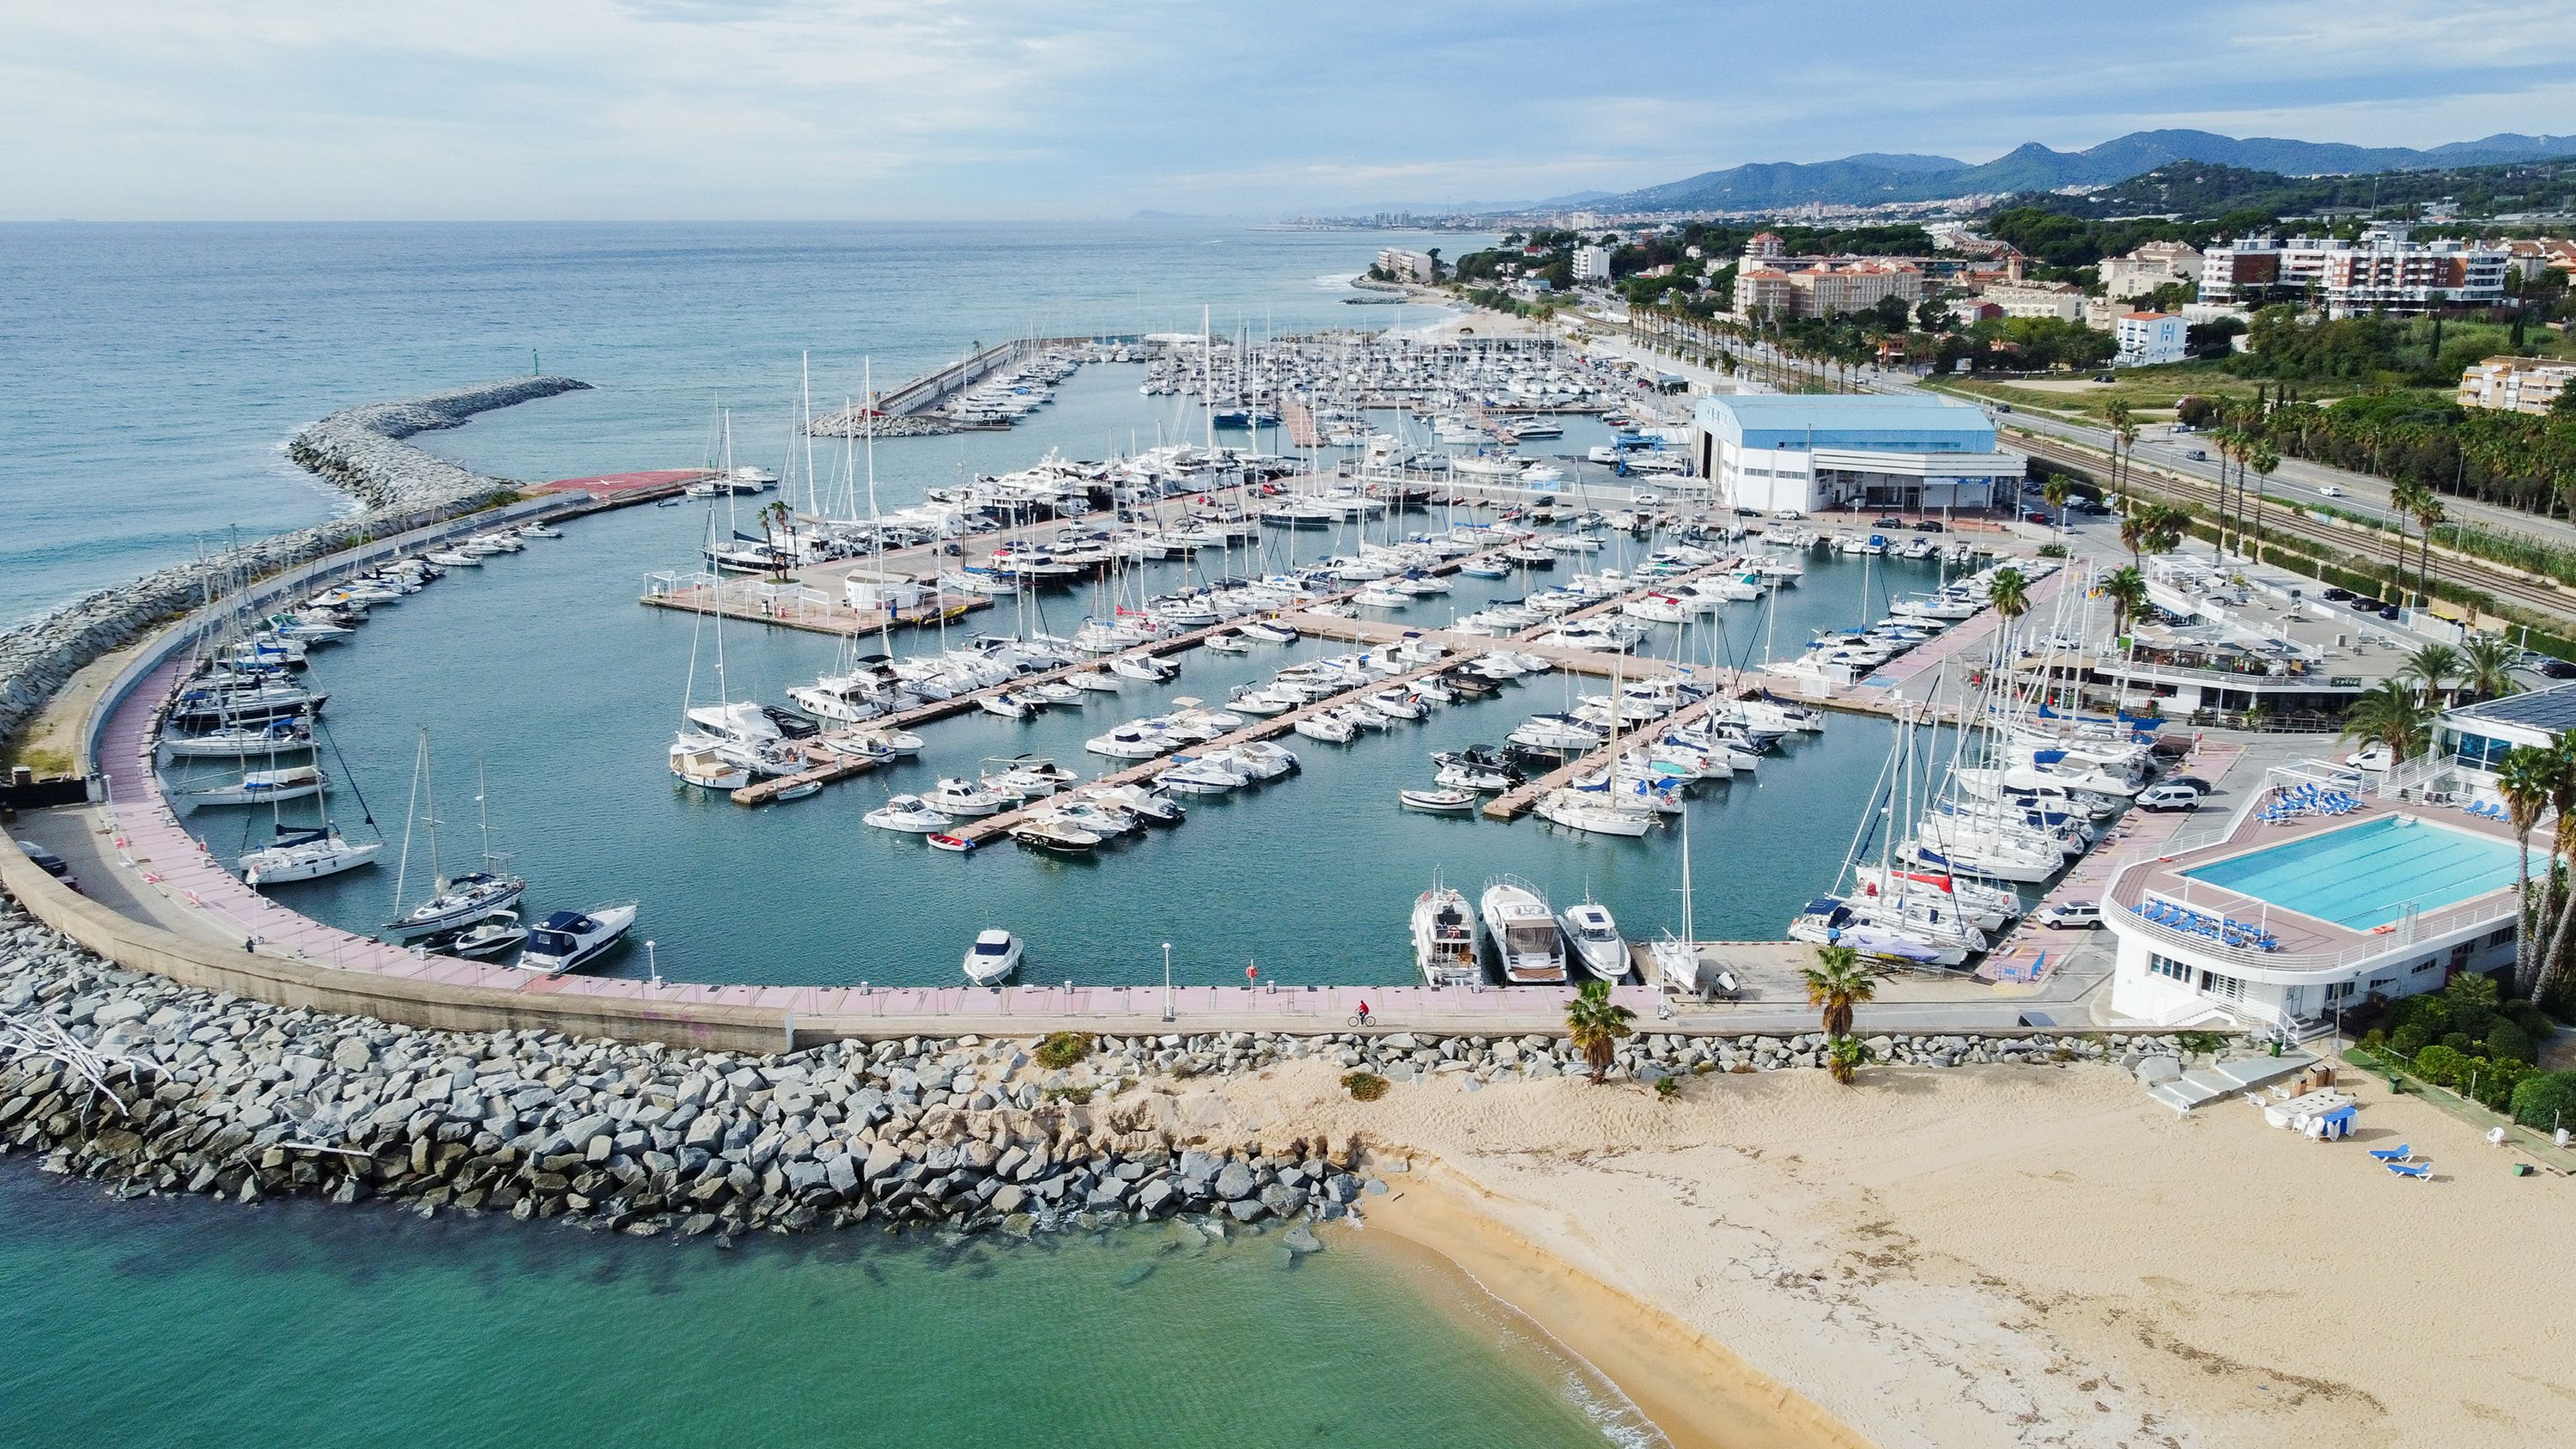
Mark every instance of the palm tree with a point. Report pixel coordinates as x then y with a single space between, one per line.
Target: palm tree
2408 497
2055 492
2133 532
2126 588
2264 459
2428 511
2390 714
2526 778
2164 527
1844 1056
2008 591
1837 983
2124 442
2486 666
2228 441
1594 1025
2433 666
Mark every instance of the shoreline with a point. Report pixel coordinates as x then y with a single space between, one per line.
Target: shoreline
1697 1392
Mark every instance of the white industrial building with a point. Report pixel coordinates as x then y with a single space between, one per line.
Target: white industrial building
2147 338
1812 454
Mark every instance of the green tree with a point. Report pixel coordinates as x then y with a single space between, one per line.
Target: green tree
2486 666
2390 714
2433 666
1595 1025
2126 588
2055 492
1836 984
2009 594
1844 1057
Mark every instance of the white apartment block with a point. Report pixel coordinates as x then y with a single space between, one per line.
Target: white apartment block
2151 265
2516 384
1591 264
2382 272
1406 266
2147 338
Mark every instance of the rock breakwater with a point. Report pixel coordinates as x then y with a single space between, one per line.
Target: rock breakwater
360 449
155 1087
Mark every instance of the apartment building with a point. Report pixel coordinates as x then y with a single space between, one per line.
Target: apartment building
2384 271
2147 338
2151 265
1591 264
1406 266
2036 299
2516 384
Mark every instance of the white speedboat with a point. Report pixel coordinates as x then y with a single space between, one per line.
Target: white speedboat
1331 726
993 957
301 854
1595 939
572 939
1525 935
494 935
961 798
1144 667
705 762
1440 801
1055 832
1270 632
907 814
1444 939
1093 680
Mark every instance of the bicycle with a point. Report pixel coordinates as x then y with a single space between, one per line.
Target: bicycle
1363 1018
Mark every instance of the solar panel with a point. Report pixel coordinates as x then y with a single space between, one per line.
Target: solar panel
2552 709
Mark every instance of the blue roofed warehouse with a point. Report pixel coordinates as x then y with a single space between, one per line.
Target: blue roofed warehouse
1813 454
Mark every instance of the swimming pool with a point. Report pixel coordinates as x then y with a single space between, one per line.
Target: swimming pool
2367 875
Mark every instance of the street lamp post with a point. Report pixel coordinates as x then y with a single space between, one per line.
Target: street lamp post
1167 981
652 966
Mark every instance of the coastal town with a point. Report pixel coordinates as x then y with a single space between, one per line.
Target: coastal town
1717 814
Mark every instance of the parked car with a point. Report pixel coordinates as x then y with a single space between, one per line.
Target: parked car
2371 757
1748 513
2389 613
1789 513
2368 606
2198 455
2337 596
2169 796
2101 377
1929 525
50 863
1888 521
2328 490
2070 915
2036 515
2549 666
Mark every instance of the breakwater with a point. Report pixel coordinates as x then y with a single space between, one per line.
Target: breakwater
155 1087
400 487
360 449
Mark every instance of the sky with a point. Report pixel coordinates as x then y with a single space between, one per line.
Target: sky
925 109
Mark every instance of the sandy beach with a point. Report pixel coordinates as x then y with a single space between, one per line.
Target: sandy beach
2003 1255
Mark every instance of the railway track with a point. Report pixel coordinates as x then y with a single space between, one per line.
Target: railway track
2289 518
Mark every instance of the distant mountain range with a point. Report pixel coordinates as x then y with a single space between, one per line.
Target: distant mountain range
1867 179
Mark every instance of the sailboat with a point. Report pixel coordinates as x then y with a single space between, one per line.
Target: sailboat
469 897
1676 958
302 852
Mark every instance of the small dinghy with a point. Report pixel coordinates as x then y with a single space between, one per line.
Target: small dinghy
1438 801
495 935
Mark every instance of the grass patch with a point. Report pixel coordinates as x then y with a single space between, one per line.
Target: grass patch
1668 1088
1077 1096
2150 392
47 761
1365 1086
1062 1049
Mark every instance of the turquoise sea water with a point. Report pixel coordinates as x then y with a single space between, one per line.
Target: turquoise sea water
187 1323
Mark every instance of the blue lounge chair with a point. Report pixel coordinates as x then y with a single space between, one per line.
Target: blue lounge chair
2399 1153
2421 1171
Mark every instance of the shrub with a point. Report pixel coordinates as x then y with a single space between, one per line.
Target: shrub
1668 1087
2373 1039
2440 1064
2534 1022
2461 1042
1078 1096
2507 1042
2490 1084
1365 1086
2546 1100
2429 1012
1062 1049
2408 1039
2052 550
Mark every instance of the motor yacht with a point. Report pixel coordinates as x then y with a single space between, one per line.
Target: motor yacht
495 935
993 957
571 939
907 814
961 798
1595 940
1444 939
1524 934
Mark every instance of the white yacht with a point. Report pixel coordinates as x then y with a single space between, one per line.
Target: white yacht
571 939
306 854
703 761
1596 940
1525 935
961 798
259 787
907 814
1597 811
1444 938
993 957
